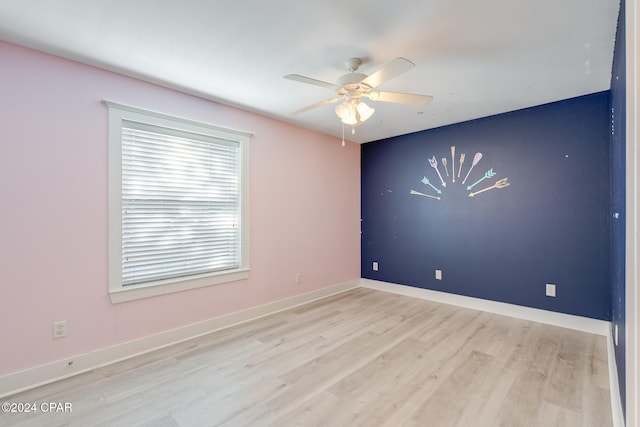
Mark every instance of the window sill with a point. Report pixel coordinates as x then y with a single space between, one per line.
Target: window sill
147 290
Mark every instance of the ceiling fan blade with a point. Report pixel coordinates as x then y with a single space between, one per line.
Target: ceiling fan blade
308 80
389 71
400 98
316 105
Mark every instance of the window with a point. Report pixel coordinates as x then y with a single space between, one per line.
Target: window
178 193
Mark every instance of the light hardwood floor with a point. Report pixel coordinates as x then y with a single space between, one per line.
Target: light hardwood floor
360 358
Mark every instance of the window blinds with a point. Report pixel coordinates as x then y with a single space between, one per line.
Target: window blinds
180 204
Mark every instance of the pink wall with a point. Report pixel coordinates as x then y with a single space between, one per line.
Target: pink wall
305 210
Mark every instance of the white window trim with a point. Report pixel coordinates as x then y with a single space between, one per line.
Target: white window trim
119 293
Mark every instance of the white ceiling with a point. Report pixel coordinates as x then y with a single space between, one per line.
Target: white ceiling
476 57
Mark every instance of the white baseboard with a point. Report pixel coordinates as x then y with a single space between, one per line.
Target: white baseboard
614 385
585 324
34 377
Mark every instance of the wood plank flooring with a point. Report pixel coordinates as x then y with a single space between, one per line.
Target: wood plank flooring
360 358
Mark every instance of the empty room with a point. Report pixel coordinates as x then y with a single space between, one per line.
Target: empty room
340 213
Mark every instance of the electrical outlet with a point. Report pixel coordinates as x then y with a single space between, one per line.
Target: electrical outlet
438 274
375 265
298 277
551 290
59 329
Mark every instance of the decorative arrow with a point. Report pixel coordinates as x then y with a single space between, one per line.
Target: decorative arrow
444 163
499 184
475 161
453 162
488 174
461 162
434 164
417 193
426 181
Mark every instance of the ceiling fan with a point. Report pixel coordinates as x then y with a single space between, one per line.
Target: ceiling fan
354 86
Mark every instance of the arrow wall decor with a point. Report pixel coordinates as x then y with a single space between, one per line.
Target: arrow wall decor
433 162
417 193
475 161
488 174
499 184
426 181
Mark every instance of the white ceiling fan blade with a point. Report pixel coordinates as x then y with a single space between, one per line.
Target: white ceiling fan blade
400 98
309 80
316 105
389 71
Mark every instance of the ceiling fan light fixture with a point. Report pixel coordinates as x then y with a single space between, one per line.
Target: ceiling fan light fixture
343 111
353 112
347 112
351 120
364 111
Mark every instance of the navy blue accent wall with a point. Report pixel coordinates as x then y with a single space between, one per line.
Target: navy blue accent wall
618 191
551 224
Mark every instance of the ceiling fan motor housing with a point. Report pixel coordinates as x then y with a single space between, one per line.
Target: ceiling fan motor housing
349 83
350 79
